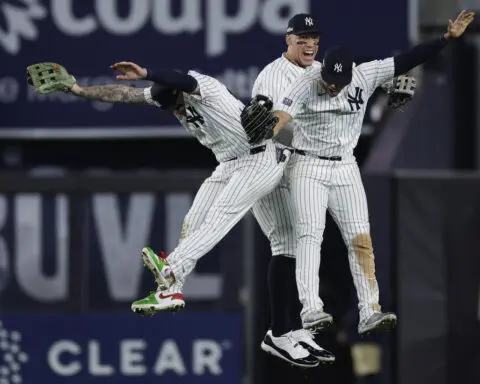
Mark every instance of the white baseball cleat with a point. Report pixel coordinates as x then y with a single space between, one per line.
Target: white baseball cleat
306 339
286 348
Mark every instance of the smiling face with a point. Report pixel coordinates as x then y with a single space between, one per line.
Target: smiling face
302 49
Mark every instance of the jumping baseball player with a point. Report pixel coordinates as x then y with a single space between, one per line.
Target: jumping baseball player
212 114
328 103
274 212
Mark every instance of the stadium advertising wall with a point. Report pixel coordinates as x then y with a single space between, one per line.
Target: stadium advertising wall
172 348
229 39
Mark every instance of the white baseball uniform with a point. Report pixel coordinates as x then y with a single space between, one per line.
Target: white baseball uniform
243 176
274 212
325 127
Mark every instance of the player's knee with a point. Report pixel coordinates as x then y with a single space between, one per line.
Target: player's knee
286 243
192 221
361 243
361 247
184 231
309 233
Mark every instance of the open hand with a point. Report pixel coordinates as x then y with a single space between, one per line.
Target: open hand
456 28
129 70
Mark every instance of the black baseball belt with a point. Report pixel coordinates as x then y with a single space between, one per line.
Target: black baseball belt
253 151
331 158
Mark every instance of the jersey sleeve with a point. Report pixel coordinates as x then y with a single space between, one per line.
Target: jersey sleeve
147 93
293 97
270 82
377 72
258 85
208 87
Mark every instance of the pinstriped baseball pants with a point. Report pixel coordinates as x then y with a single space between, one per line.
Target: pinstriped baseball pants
317 185
242 183
274 214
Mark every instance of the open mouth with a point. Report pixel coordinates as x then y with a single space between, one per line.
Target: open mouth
309 53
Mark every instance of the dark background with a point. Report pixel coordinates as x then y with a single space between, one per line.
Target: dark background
419 167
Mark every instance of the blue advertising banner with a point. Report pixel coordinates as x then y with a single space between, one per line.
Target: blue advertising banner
62 252
168 348
229 39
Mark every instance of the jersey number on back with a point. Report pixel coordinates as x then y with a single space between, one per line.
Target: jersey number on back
194 118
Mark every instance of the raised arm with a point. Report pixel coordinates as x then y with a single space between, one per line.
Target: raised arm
419 54
52 77
377 72
111 93
132 71
169 78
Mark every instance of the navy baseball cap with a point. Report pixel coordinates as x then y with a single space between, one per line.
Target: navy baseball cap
337 66
303 24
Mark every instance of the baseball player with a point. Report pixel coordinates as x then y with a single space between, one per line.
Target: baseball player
274 212
220 203
328 103
210 112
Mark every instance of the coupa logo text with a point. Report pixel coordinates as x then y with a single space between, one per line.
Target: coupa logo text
134 357
22 19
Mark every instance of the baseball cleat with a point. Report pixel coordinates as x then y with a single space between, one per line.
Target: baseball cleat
306 339
160 268
286 348
159 301
377 322
318 321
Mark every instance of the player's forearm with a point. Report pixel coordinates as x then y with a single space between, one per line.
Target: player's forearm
111 93
417 55
283 118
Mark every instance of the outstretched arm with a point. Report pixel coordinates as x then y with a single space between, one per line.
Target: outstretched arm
169 78
111 93
419 54
51 77
376 72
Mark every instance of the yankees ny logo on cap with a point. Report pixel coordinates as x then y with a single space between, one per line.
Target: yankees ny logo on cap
303 24
337 66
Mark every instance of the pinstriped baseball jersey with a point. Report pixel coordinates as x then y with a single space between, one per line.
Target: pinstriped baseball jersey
331 126
242 177
272 81
213 117
274 212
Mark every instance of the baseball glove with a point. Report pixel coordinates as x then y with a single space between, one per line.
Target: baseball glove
400 90
49 77
258 120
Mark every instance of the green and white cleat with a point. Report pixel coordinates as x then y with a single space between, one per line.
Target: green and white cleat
160 268
159 302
